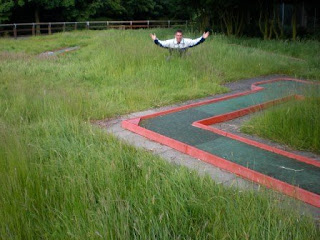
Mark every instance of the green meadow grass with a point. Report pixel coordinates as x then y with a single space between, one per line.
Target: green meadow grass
62 178
306 50
296 124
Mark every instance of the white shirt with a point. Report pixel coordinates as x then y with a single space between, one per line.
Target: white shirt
184 43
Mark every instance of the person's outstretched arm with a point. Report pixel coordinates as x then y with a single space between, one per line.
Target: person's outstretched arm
164 44
197 41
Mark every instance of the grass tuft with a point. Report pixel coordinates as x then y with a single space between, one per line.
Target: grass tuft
296 124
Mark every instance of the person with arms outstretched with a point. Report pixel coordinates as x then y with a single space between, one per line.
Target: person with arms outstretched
179 43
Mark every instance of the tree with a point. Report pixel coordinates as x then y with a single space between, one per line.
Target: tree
138 9
39 5
232 14
229 14
5 9
82 10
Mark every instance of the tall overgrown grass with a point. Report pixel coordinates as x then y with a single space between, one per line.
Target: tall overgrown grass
62 178
307 52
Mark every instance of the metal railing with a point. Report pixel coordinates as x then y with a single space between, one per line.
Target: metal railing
16 29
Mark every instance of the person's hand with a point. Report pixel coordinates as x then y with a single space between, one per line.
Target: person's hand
205 34
153 36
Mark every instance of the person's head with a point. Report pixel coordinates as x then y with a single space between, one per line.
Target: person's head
178 35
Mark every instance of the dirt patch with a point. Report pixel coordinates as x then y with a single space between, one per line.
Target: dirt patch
56 52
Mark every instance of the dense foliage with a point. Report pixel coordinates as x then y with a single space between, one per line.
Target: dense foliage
265 18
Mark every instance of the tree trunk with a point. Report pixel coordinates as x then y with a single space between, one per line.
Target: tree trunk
263 24
205 21
271 28
227 19
37 20
222 26
294 22
239 29
280 26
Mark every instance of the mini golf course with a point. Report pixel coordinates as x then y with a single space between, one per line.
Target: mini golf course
190 129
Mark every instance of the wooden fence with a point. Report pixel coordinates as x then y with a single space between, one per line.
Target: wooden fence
18 29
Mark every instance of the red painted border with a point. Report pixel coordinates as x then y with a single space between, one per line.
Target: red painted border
301 194
204 124
244 111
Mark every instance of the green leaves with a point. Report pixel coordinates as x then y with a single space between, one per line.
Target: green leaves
5 7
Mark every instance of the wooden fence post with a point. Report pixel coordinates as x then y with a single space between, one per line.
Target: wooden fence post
130 24
148 23
87 26
75 26
169 24
33 30
49 28
107 24
15 31
64 27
